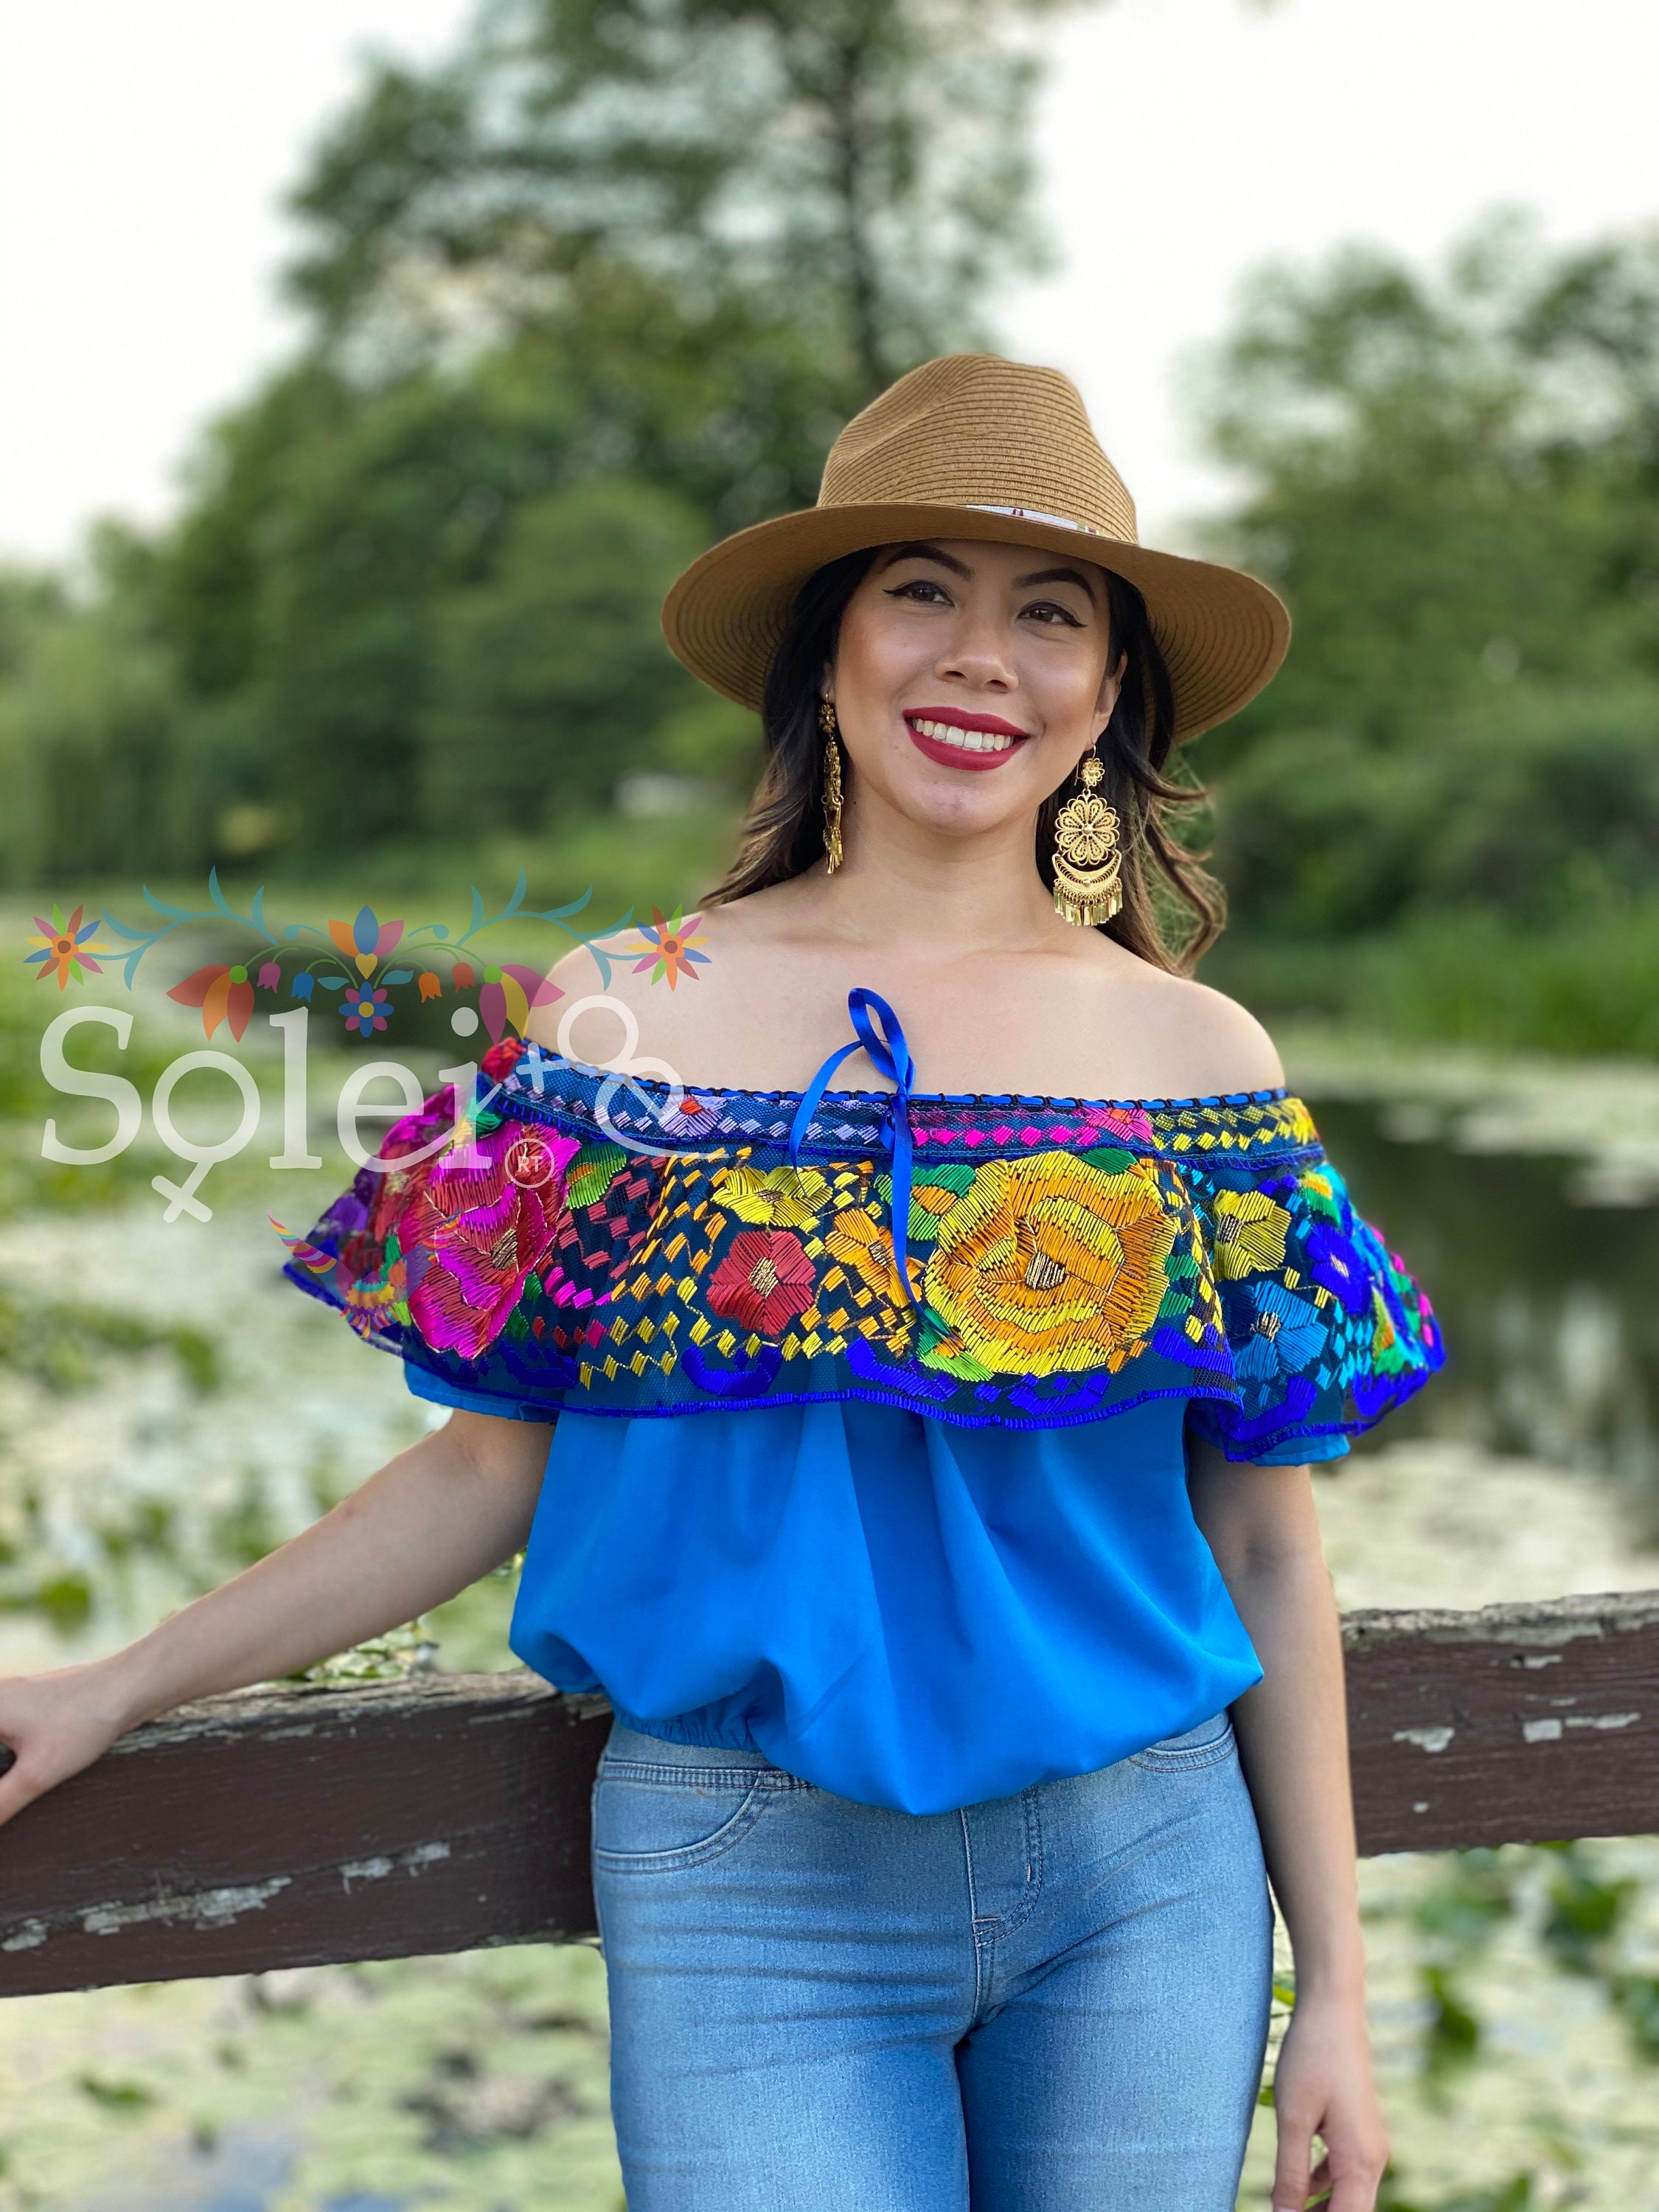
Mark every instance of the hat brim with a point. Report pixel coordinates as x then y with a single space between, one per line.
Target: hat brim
1222 634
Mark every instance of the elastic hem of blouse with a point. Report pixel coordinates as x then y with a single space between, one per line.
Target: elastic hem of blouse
689 1729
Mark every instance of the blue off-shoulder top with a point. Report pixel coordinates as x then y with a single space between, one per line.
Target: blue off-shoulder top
871 1408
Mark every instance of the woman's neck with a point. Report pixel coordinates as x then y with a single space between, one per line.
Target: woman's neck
902 884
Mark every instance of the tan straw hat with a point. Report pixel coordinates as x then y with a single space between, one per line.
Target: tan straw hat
972 446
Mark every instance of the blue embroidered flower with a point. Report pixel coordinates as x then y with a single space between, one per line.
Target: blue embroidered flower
1285 1336
1336 1266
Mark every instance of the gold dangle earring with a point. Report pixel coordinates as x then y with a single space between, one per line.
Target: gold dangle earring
831 729
1087 861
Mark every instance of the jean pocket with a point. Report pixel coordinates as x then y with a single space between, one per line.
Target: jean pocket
651 1820
1210 1742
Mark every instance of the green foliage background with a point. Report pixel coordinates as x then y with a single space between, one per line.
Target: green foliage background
604 285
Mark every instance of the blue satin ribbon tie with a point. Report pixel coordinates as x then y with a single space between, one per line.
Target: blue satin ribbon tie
890 1055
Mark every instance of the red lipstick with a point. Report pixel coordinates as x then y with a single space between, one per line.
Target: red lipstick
986 740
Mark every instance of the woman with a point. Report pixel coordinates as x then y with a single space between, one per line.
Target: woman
922 1473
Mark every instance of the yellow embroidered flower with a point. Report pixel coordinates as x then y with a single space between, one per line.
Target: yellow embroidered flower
861 1242
778 1198
1049 1266
1250 1234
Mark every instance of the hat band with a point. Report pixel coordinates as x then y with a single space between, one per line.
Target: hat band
1036 514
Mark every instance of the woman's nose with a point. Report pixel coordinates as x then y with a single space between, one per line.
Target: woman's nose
981 651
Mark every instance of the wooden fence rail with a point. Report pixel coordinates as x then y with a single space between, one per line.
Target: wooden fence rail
291 1826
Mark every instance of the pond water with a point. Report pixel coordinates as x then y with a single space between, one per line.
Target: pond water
1548 1305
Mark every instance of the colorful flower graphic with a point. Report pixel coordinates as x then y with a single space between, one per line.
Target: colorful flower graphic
224 994
776 1198
1047 1265
366 941
764 1283
508 995
364 1012
302 985
1250 1234
668 944
269 975
431 986
461 975
64 950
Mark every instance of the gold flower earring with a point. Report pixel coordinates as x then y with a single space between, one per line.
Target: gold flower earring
1087 861
831 729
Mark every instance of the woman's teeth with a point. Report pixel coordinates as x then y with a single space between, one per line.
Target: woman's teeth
970 741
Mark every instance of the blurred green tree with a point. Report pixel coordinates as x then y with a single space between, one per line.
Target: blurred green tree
664 247
853 170
1456 483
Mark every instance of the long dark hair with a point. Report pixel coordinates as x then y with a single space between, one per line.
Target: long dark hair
1172 910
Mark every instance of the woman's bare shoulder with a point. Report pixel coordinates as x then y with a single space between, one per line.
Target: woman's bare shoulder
1212 1046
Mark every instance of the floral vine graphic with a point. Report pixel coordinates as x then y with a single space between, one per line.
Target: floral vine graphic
353 961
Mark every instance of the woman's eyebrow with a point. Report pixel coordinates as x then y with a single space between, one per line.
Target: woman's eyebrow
1055 576
926 553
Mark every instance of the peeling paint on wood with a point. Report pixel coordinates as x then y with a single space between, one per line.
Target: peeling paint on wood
289 1826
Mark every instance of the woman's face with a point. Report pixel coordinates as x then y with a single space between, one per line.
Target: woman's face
971 679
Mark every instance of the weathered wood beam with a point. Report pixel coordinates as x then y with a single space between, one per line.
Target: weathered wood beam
295 1825
1518 1724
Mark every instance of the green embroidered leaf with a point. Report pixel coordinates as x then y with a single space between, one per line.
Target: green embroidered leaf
955 1175
961 1364
591 1173
1110 1159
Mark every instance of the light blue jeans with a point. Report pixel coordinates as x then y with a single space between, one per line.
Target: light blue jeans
1052 2002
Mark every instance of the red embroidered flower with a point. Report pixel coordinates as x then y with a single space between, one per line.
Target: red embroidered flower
501 1059
473 1235
764 1281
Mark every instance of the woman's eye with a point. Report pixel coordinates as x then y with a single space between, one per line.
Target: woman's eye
924 590
1045 611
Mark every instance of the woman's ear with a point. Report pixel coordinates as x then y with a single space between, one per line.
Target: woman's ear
1110 684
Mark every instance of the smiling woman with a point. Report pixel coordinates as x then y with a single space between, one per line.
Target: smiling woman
921 1474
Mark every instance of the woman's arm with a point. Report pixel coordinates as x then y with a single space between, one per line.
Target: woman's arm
1292 1737
431 1522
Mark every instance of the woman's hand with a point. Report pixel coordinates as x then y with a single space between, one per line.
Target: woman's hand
54 1724
1323 2086
431 1522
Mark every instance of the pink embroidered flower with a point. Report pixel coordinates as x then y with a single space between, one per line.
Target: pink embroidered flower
416 1132
473 1234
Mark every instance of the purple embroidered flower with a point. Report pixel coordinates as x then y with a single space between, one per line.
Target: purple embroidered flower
1335 1263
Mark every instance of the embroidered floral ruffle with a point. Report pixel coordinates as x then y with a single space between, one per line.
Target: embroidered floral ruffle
607 1242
